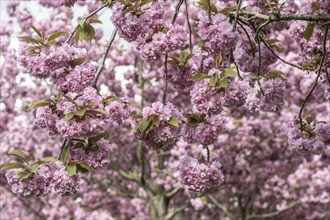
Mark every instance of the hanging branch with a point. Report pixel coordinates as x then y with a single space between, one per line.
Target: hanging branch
189 26
236 15
324 50
209 12
259 66
101 65
273 214
88 16
277 56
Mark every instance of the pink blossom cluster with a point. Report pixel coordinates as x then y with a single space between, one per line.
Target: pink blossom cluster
95 156
198 176
217 34
313 139
204 133
272 99
165 135
49 178
97 113
58 63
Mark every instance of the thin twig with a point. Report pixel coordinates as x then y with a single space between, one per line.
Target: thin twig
236 15
209 10
324 50
208 155
62 147
249 38
273 214
88 16
261 27
101 65
259 66
189 26
177 9
165 79
219 206
272 51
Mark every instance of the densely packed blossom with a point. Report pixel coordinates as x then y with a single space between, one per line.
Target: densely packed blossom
198 176
310 138
119 112
49 178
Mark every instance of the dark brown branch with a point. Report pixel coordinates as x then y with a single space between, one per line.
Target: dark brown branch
189 26
236 14
100 68
324 50
88 16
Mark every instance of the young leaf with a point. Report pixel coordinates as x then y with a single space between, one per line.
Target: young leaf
223 83
46 160
39 104
144 125
310 118
94 20
71 170
28 39
19 154
84 168
64 153
218 61
80 112
200 76
89 31
94 139
136 116
273 74
9 166
226 11
34 168
82 22
309 31
230 72
69 116
98 111
174 121
23 175
214 80
78 61
37 31
56 35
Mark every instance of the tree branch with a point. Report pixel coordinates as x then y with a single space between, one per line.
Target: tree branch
272 214
88 16
219 206
324 50
278 17
101 65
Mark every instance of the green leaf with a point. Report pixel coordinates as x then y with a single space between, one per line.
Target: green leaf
78 61
94 20
64 153
273 74
23 175
200 76
80 112
9 166
82 22
31 48
203 4
218 61
77 36
46 160
29 39
144 125
69 116
71 170
155 119
84 168
56 35
89 31
310 118
19 154
194 119
223 83
230 72
37 31
145 2
174 121
97 111
34 168
226 11
71 100
214 80
136 116
93 140
39 104
309 31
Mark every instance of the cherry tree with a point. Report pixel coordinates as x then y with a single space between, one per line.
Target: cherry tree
186 109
